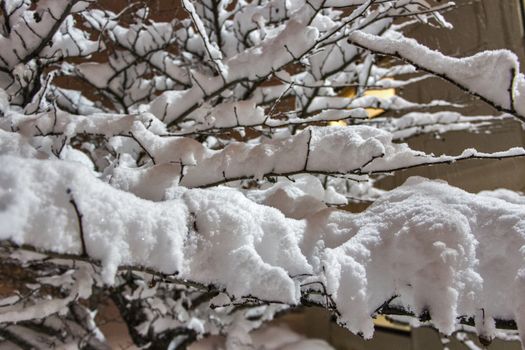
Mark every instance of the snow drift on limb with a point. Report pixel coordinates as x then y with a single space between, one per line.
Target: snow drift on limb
437 248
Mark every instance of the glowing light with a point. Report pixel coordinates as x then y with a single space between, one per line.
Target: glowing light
338 123
380 93
382 321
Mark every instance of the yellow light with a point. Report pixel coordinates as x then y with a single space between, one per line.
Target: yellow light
380 93
383 93
337 123
383 321
348 92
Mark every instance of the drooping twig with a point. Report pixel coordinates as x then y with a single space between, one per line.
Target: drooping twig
143 148
79 218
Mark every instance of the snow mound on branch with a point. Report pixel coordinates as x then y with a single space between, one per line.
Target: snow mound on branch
506 195
437 247
293 41
248 245
182 161
434 246
301 196
334 149
212 236
15 144
499 67
36 210
519 94
70 125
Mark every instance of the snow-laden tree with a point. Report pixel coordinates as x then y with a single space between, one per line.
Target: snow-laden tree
194 175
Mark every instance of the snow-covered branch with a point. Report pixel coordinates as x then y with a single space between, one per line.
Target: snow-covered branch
424 236
501 85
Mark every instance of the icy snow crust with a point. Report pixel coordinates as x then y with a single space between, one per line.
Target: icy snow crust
437 247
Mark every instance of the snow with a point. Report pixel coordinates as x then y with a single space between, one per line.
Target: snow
61 122
22 312
211 48
16 144
142 233
415 123
293 41
32 207
499 67
519 94
429 243
25 25
297 197
507 195
343 150
267 338
394 103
